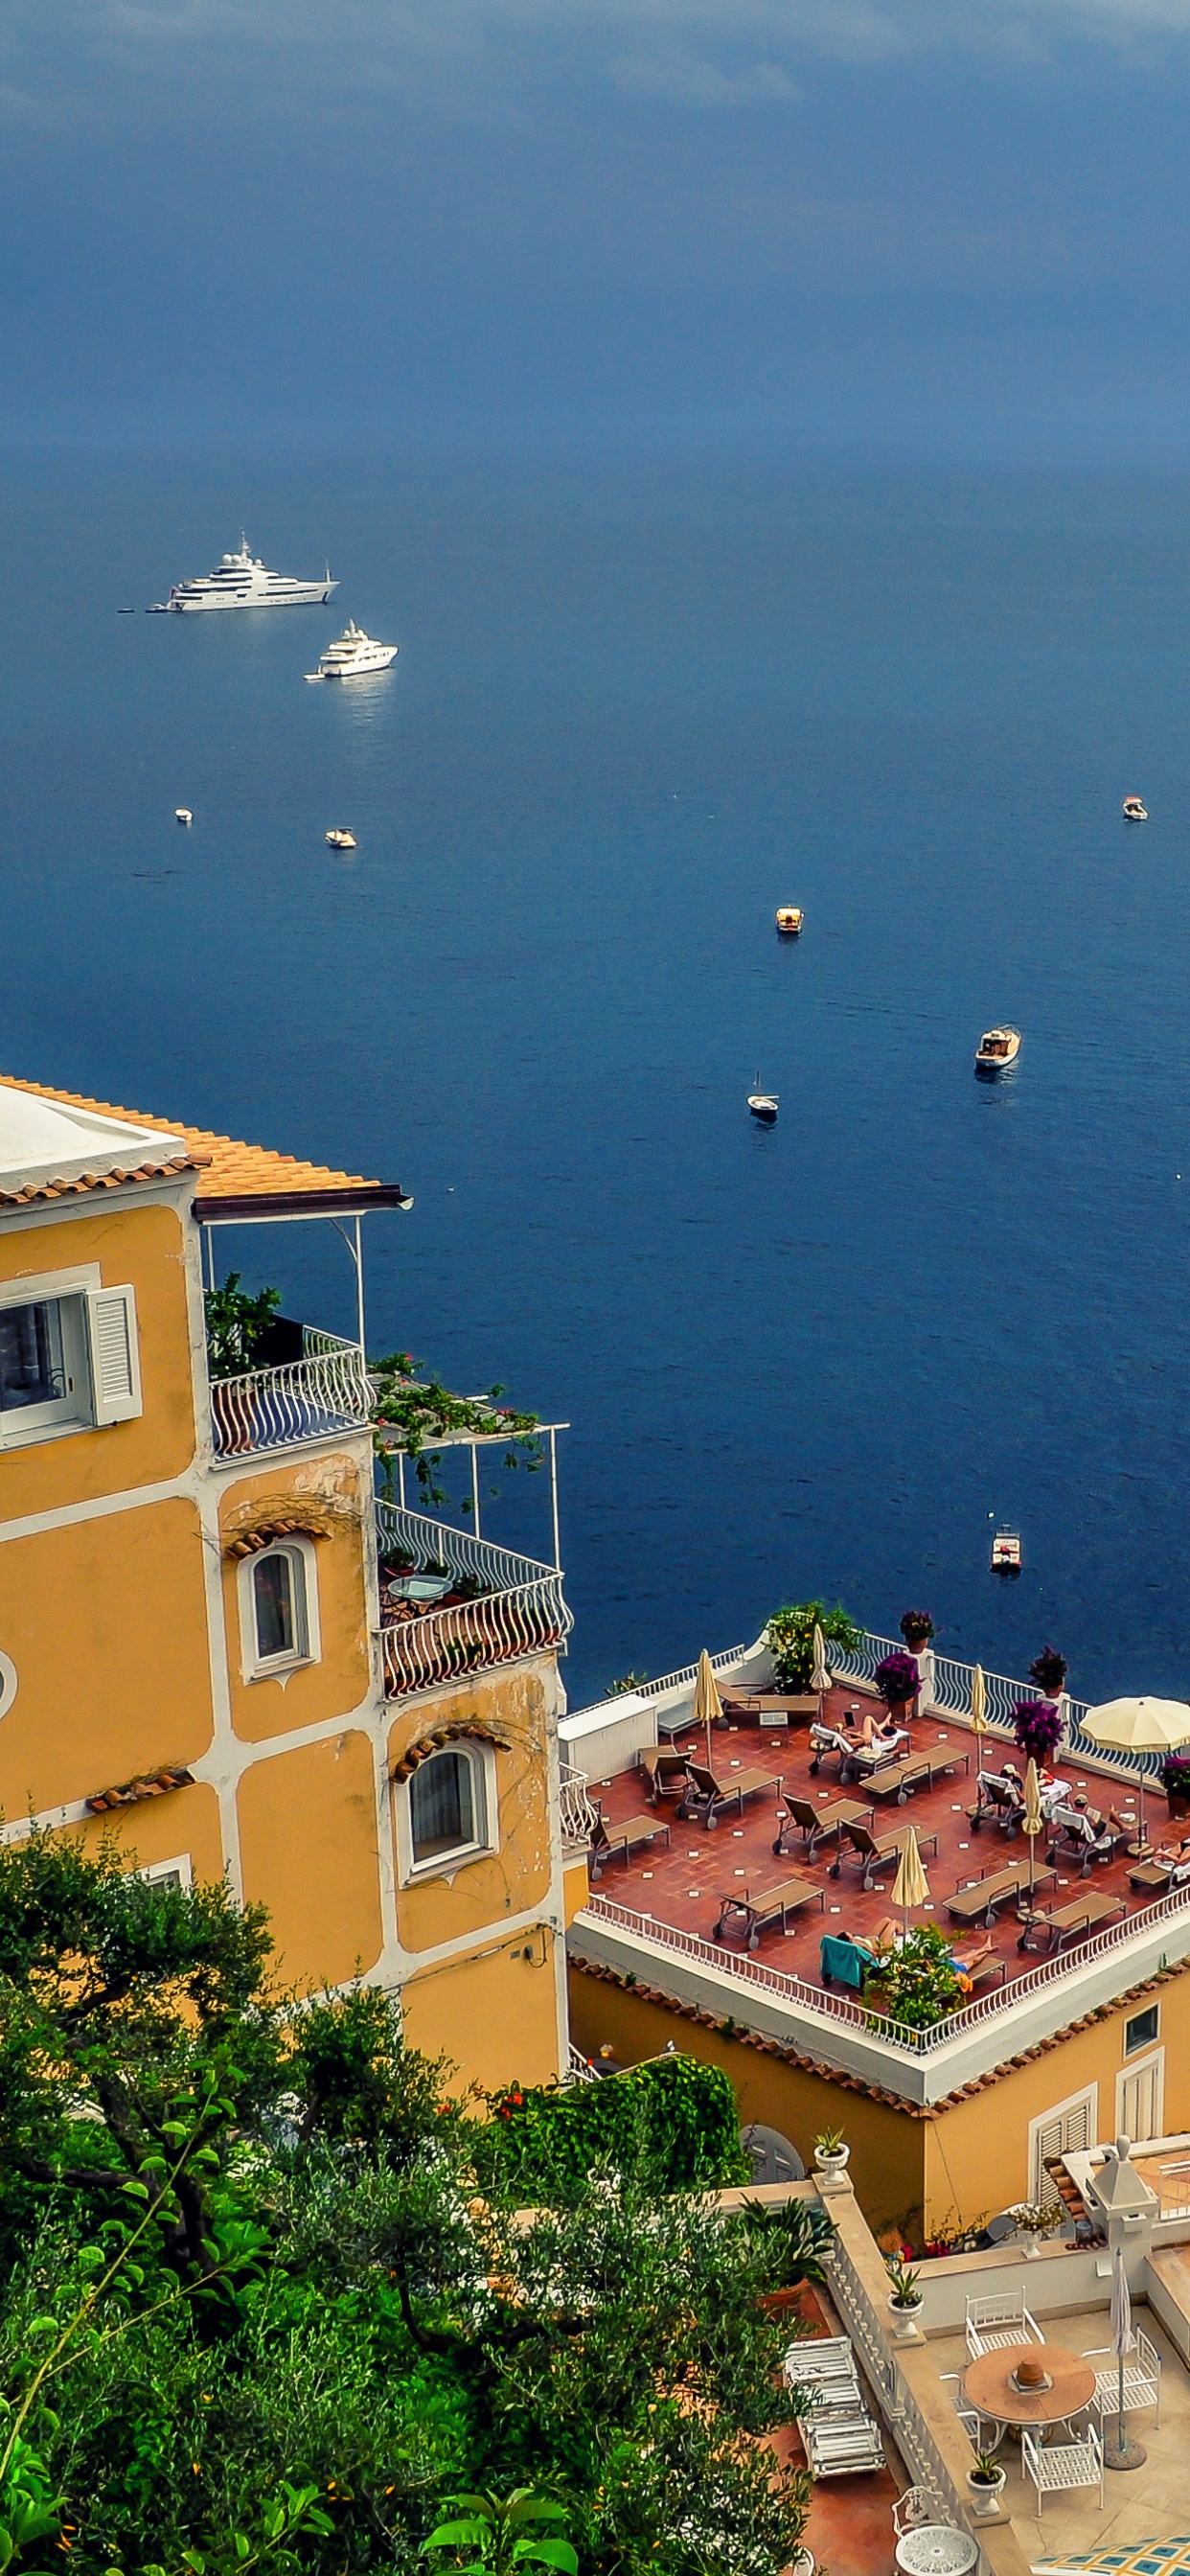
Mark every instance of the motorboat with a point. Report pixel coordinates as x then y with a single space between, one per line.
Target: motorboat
789 920
241 580
353 655
763 1104
1006 1552
997 1049
1134 811
341 841
182 814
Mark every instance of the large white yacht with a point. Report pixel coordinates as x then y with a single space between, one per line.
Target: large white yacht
242 581
352 655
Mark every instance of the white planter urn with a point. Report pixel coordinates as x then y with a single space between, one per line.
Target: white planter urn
985 2494
831 2165
905 2314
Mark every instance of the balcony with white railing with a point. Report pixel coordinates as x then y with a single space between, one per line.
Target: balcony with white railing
491 1605
316 1396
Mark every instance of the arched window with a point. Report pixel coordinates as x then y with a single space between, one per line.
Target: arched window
280 1620
448 1804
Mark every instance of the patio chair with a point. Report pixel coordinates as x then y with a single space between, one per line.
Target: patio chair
1000 1796
1072 1922
1073 1838
969 2416
664 1769
1057 2468
877 1852
917 2510
999 2320
1142 2378
856 1760
1157 1877
756 1914
706 1797
607 1840
815 1825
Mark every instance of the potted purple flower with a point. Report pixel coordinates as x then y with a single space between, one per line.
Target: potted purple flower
917 1629
1037 1726
896 1679
1048 1670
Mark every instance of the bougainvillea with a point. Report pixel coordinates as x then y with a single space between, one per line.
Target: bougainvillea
1037 1725
897 1677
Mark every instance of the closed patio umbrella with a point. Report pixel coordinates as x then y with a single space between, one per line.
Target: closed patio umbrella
912 1886
979 1702
1122 2453
707 1703
1032 1820
1139 1726
820 1678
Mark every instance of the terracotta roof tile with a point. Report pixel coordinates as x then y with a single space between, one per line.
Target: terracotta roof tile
231 1170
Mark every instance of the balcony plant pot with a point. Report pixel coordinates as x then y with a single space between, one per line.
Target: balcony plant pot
985 2488
906 2317
831 2162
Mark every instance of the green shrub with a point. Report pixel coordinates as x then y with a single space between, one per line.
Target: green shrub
673 2121
790 1640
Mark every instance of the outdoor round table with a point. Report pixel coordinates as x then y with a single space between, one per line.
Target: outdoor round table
988 2387
936 2549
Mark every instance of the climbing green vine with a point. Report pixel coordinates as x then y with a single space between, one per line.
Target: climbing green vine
411 1414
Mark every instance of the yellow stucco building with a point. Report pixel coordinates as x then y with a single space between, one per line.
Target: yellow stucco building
218 1646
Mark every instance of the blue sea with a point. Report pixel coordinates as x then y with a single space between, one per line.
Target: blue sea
636 706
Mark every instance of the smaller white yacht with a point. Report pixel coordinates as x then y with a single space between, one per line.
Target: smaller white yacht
340 840
183 814
763 1104
1134 810
353 655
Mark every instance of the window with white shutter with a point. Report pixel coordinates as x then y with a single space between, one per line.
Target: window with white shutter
1071 2125
115 1354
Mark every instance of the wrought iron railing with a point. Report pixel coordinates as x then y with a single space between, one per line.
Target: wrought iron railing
519 1608
824 2005
952 1696
720 1663
579 1814
326 1391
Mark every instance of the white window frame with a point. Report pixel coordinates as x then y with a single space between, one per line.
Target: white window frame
9 1682
1152 2042
1087 2098
263 1668
180 1867
482 1758
1130 2070
102 1327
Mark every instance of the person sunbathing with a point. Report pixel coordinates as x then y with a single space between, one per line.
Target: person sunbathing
882 1734
1086 1824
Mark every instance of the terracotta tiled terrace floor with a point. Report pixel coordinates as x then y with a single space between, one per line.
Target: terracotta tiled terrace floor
683 1884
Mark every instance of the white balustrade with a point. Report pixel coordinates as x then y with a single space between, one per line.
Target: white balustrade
519 1608
308 1399
579 1815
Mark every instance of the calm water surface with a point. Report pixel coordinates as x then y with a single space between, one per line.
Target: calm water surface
635 708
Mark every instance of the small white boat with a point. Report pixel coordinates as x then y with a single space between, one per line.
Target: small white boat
763 1104
1006 1552
789 920
182 814
340 841
353 656
1134 811
997 1049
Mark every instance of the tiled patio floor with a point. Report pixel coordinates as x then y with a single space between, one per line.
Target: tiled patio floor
684 1884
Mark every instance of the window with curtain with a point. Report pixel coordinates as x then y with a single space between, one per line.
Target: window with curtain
279 1602
446 1804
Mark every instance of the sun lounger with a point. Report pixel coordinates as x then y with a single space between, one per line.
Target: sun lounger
1001 1797
707 1798
1073 1921
756 1914
608 1840
982 1902
874 1854
751 1705
816 1825
664 1769
1074 1838
900 1777
1156 1876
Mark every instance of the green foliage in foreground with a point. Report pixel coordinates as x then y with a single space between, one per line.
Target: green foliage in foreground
269 2296
790 1640
673 2115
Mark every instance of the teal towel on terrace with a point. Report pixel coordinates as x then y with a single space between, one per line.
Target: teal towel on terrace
845 1961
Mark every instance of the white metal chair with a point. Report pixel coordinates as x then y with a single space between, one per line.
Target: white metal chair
969 2416
1142 2377
1057 2468
918 2506
994 2323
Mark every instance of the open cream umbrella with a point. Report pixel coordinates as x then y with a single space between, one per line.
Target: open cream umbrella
820 1678
707 1703
1032 1820
1139 1726
912 1886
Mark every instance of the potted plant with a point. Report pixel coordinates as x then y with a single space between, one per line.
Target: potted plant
917 1628
830 2154
1038 1727
905 2301
1034 2220
1048 1670
1175 1780
897 1678
985 2486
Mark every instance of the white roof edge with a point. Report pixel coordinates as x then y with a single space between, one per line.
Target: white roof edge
51 1140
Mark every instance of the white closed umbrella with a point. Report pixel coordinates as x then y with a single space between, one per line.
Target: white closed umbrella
820 1677
1139 1726
707 1704
1122 2454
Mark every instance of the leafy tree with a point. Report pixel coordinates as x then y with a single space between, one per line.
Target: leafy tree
237 1323
790 1639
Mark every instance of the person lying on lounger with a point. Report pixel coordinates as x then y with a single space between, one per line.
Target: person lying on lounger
878 1734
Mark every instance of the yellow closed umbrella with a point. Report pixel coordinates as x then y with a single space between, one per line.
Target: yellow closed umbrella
979 1701
707 1704
1139 1726
912 1886
1032 1820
